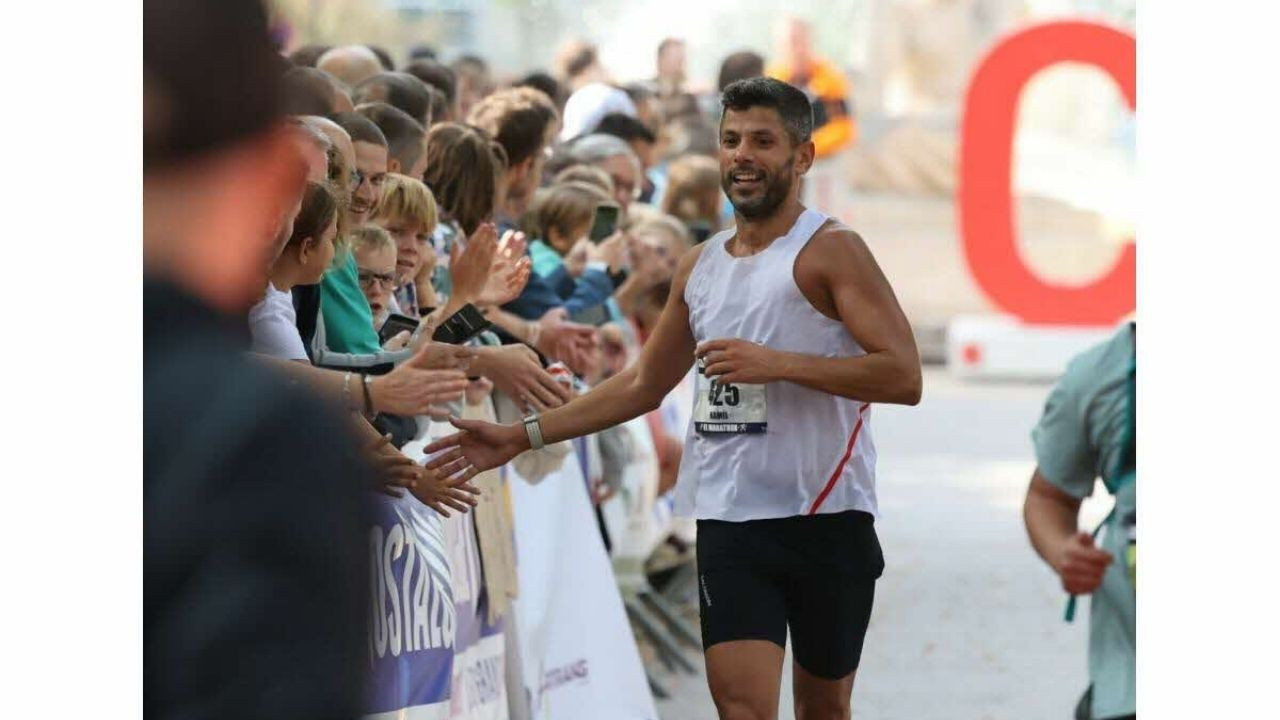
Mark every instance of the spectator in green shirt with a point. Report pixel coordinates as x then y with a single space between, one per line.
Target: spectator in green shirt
1086 432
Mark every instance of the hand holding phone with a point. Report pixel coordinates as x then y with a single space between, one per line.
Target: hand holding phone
595 315
394 325
462 326
605 222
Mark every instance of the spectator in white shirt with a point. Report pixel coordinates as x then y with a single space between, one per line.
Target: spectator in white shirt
306 255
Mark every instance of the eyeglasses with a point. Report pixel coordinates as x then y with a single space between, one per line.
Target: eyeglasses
358 177
369 277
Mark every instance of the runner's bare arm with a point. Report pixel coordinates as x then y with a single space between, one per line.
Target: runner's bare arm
664 361
841 278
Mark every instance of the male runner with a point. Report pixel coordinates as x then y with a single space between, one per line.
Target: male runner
796 332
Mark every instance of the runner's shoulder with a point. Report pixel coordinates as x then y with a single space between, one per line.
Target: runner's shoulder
687 261
836 242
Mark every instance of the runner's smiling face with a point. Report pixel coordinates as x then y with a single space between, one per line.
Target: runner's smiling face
758 161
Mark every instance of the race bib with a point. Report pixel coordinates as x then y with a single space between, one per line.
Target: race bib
728 408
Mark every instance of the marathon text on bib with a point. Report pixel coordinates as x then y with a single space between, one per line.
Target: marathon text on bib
728 408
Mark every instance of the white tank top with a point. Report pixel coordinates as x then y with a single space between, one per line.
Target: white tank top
816 454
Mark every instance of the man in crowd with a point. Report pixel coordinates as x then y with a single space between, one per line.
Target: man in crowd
440 77
1087 432
822 81
616 158
640 139
524 122
781 475
739 66
308 91
350 63
240 466
370 147
671 73
406 140
474 82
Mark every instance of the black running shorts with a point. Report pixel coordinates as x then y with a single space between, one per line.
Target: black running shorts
815 574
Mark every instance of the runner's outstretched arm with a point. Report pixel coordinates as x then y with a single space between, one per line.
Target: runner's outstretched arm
664 361
840 266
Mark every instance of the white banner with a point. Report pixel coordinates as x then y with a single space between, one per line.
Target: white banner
580 658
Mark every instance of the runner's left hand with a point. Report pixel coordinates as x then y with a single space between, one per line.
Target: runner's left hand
738 361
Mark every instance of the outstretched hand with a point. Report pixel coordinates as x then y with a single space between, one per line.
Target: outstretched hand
478 447
442 490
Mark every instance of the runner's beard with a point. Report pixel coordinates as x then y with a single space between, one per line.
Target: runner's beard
777 186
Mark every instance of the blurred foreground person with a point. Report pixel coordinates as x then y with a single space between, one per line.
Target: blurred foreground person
1087 432
253 492
795 332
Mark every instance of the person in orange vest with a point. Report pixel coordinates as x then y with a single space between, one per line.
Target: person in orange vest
822 81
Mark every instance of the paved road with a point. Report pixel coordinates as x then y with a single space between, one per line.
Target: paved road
967 623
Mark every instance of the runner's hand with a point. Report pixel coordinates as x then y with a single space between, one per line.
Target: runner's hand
480 446
738 361
1081 564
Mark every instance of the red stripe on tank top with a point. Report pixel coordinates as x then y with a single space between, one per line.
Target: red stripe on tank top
848 453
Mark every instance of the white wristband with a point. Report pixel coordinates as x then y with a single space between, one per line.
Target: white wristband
533 429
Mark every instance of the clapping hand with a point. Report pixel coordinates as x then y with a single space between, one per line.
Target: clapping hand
509 272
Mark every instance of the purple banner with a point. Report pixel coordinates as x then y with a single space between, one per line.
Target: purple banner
412 619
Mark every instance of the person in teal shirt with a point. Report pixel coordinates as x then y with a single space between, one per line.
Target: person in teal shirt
348 323
1085 433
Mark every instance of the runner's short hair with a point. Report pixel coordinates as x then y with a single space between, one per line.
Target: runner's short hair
791 104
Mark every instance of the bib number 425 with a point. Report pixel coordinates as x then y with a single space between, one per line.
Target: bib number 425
723 395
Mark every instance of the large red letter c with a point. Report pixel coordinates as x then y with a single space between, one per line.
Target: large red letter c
985 188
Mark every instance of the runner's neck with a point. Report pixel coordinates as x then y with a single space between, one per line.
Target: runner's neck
754 236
